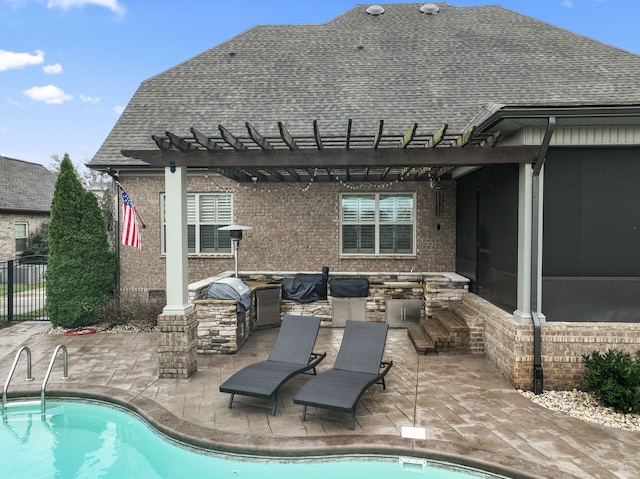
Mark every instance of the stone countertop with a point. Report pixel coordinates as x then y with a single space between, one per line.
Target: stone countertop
257 285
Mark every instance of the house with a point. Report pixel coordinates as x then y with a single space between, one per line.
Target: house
26 191
411 137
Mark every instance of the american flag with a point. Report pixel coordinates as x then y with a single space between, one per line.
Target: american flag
130 230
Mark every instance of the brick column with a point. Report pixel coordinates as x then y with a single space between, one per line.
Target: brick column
177 345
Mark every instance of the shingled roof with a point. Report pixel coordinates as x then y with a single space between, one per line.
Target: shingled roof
25 187
404 67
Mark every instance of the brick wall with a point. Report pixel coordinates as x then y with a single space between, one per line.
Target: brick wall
295 228
508 344
8 231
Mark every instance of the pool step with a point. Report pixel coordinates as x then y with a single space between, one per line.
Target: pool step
20 403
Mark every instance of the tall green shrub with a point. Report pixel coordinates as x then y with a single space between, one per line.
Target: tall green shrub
81 268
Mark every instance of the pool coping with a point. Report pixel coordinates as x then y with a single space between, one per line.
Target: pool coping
296 447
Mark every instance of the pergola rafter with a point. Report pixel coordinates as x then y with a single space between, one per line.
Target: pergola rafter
411 156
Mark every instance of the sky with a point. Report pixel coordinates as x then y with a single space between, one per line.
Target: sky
68 68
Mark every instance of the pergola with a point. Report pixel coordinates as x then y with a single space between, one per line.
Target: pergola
252 157
411 156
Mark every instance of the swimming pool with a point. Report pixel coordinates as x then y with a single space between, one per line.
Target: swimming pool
90 440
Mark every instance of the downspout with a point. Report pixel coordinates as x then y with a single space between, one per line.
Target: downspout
538 379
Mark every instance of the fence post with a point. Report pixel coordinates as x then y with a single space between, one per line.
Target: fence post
10 290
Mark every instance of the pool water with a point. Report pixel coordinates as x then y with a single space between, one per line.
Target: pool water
87 440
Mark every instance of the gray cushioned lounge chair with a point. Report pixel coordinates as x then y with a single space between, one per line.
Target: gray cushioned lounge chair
292 354
358 366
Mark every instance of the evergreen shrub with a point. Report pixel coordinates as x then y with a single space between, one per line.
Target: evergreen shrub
81 268
614 378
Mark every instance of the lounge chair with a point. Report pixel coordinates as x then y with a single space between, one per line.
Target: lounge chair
358 366
292 354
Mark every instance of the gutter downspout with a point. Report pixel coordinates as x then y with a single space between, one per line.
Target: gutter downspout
538 379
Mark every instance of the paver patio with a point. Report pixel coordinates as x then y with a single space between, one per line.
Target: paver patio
470 412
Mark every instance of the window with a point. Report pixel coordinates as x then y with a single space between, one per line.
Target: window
21 237
205 214
377 223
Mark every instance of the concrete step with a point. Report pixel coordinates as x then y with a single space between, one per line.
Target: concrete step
451 320
458 335
421 341
434 329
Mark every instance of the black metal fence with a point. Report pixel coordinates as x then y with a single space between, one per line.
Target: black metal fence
22 289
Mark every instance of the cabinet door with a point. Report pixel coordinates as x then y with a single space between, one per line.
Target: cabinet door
412 310
267 307
402 313
348 308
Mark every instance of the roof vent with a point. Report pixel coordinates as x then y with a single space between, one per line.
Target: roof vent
375 10
429 8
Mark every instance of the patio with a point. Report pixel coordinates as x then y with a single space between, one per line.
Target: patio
471 413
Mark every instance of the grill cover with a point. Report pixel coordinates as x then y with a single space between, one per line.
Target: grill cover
349 288
305 287
231 288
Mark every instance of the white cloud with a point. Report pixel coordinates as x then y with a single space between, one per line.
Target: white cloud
113 5
118 109
12 60
50 94
568 4
88 99
52 69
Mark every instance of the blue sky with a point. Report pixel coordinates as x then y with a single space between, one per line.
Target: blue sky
69 67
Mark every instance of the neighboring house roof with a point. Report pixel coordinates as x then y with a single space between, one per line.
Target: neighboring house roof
25 187
402 67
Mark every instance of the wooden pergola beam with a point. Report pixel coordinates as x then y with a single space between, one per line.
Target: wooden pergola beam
409 136
258 138
316 135
378 137
162 143
438 136
179 142
227 136
336 158
287 137
204 140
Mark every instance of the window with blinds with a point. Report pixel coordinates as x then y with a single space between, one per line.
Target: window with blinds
206 213
21 234
378 223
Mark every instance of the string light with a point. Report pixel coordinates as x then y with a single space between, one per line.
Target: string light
274 187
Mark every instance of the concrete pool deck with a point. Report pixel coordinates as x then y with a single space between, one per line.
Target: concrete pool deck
470 412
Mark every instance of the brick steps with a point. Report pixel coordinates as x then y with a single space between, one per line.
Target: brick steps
445 332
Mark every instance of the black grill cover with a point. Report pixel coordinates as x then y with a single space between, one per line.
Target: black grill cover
349 288
305 287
